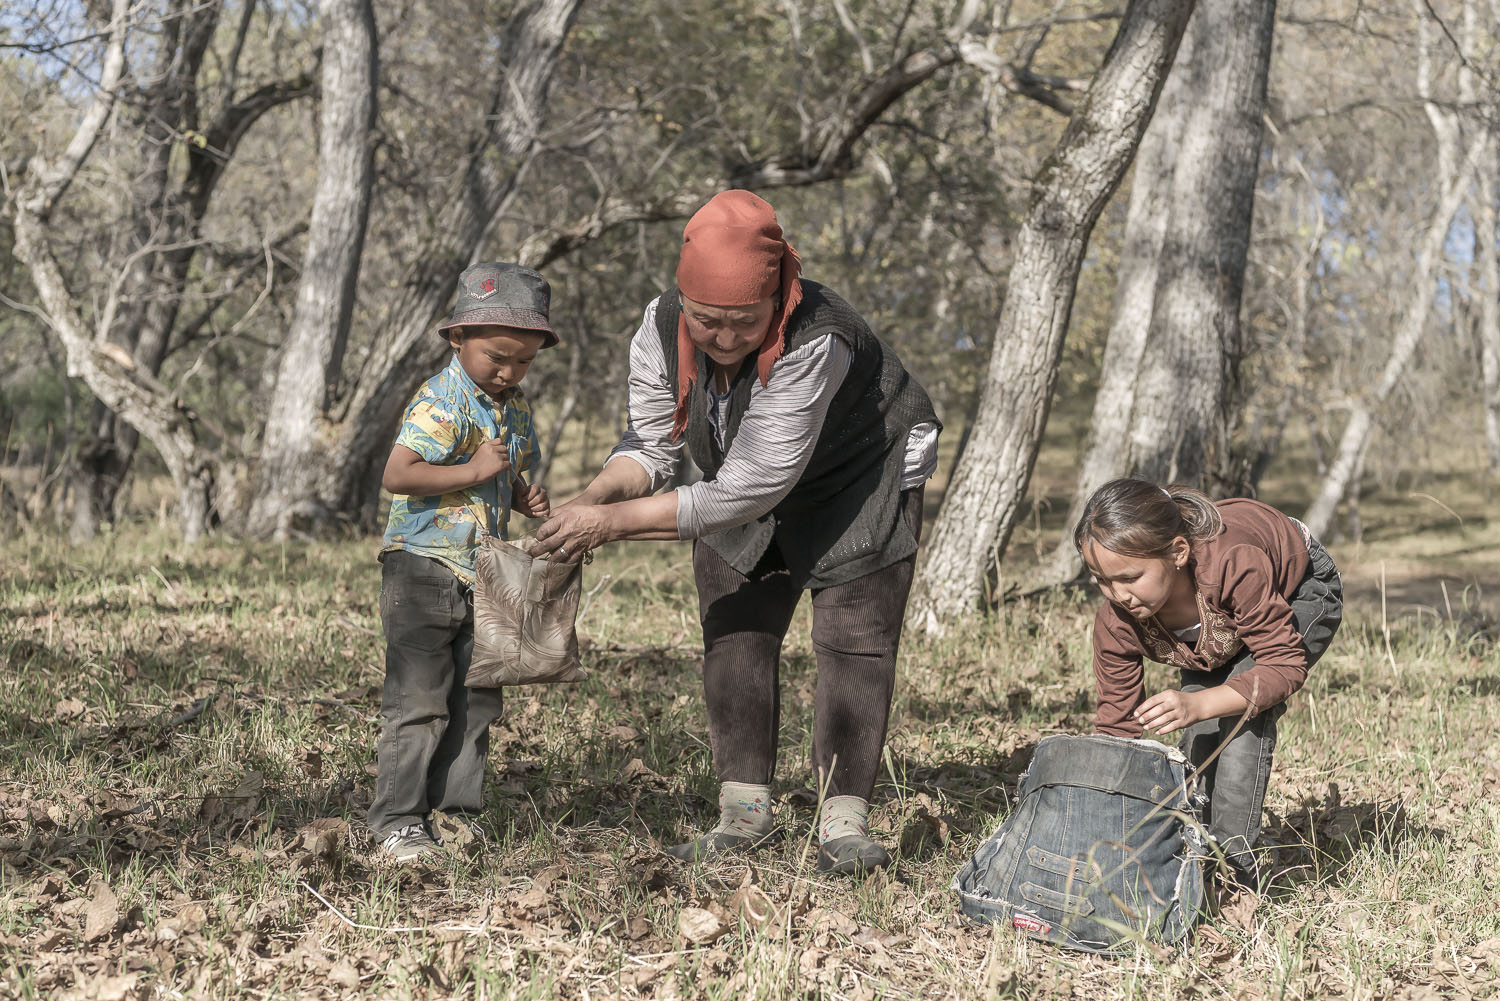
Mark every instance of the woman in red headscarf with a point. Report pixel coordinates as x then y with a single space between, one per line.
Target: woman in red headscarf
815 443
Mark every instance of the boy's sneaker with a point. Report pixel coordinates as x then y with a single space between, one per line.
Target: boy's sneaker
408 842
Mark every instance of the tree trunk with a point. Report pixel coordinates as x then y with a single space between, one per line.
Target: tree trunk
157 256
1145 227
1191 361
1488 258
108 370
1182 267
167 98
1071 188
312 356
1486 253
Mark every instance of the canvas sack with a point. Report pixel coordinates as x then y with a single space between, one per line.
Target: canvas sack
1103 849
525 617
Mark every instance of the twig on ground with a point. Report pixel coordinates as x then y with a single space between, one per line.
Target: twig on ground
403 929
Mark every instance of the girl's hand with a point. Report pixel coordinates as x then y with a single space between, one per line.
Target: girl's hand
1171 710
531 500
574 531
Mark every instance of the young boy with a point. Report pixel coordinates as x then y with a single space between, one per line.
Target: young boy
465 440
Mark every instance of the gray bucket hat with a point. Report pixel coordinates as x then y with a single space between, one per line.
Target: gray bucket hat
504 294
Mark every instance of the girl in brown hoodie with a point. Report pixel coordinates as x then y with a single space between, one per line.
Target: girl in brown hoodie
1240 598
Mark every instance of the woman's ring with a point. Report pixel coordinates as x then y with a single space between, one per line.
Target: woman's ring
562 551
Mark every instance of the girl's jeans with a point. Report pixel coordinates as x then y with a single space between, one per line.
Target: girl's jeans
435 731
1235 781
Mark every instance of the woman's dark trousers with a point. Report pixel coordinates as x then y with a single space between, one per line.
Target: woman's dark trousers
855 633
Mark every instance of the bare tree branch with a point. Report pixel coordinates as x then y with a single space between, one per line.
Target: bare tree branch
53 179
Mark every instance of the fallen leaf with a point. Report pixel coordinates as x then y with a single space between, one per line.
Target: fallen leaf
1213 945
755 908
312 763
699 926
323 836
240 804
104 988
344 974
1487 950
111 807
50 939
635 770
517 767
451 832
1237 908
69 708
924 833
102 913
824 920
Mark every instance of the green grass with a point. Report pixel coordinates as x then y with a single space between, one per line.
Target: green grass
143 685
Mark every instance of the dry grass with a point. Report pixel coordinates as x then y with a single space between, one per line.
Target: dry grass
187 741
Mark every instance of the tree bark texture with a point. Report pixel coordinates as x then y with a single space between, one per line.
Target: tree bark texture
167 97
161 248
1164 385
1487 255
1180 420
1135 291
1070 190
312 357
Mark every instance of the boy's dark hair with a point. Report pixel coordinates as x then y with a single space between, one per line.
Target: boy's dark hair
463 333
1139 518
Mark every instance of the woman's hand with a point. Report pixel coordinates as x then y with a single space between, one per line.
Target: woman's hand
574 530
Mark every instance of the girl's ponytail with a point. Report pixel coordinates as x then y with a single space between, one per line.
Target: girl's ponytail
1199 514
1138 518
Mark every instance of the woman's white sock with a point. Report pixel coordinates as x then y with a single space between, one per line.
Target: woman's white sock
744 809
843 816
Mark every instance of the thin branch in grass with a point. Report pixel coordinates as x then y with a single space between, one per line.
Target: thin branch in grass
1456 516
1385 626
402 929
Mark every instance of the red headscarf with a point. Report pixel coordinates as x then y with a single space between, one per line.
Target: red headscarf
733 254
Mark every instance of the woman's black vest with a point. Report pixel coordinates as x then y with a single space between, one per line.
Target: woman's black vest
841 521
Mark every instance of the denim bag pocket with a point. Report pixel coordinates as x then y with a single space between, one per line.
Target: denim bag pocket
1102 852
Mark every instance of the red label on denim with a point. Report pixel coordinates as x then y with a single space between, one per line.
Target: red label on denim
1030 924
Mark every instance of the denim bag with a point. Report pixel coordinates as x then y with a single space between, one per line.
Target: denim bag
1103 849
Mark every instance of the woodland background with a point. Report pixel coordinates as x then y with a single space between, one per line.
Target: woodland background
231 227
1220 242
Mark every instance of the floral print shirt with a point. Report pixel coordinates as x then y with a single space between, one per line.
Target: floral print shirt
445 423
